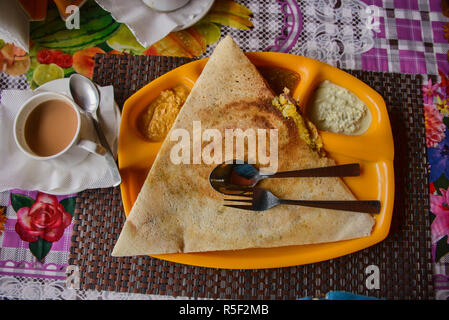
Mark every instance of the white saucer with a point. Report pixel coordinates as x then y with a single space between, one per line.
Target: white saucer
191 13
111 127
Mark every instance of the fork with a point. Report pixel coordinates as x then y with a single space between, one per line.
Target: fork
258 199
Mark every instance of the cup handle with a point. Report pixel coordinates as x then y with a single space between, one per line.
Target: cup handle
92 147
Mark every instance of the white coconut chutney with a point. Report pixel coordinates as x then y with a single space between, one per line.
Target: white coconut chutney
336 109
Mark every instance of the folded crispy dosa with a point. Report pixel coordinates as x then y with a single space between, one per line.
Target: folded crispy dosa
178 211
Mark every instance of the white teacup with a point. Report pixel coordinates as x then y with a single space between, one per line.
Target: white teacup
82 143
165 5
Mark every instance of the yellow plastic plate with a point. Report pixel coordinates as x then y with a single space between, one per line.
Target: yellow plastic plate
373 150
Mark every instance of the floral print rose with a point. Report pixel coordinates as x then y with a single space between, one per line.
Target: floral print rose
436 114
3 219
434 125
46 218
439 205
41 221
430 91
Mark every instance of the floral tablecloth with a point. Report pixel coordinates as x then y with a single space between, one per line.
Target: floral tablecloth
404 36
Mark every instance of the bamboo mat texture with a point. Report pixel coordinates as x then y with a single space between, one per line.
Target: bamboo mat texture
403 259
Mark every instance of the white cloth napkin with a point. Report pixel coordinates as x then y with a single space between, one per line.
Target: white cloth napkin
148 25
14 24
19 171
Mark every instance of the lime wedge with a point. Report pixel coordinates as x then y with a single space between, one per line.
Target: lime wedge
210 31
47 72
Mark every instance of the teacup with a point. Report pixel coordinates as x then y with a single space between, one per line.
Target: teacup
50 126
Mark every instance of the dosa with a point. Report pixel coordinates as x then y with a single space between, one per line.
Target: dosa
177 210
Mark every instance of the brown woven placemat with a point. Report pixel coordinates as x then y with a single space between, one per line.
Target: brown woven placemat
129 73
403 259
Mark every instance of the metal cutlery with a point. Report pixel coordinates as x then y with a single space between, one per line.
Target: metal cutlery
258 199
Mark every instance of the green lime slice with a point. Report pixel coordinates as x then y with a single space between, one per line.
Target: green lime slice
47 72
210 31
33 85
124 40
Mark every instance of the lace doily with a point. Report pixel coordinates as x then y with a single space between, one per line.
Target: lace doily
23 288
336 31
333 31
